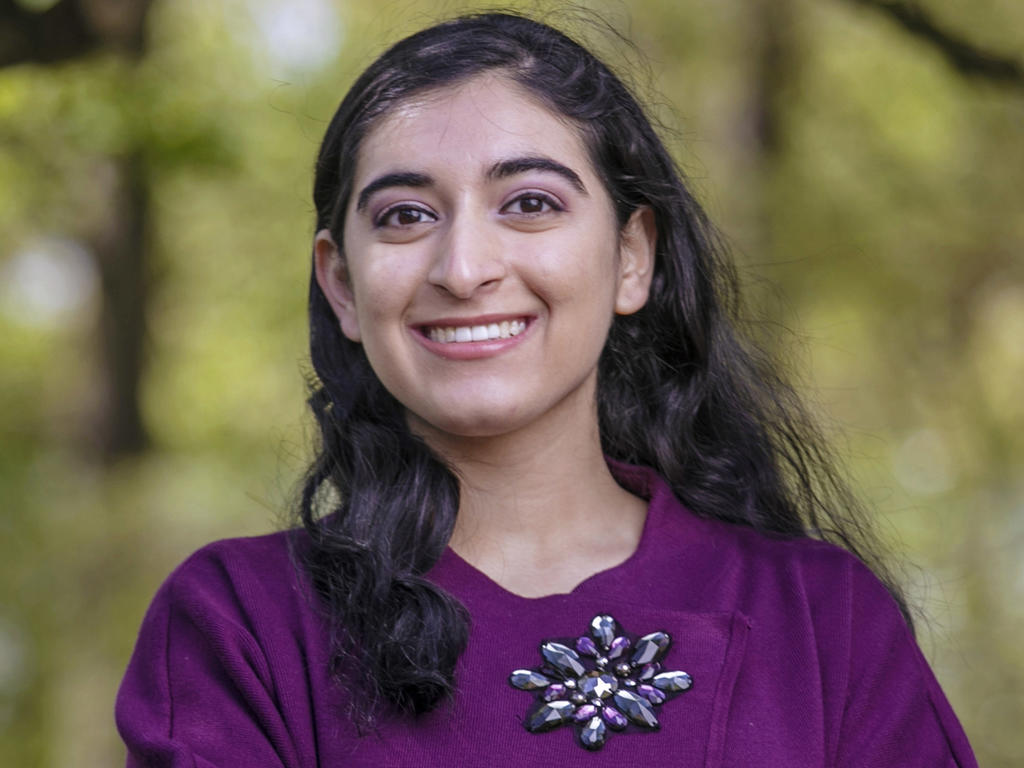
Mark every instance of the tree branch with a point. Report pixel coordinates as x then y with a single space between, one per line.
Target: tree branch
966 58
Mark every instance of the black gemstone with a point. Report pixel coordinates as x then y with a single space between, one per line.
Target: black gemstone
528 680
603 630
593 734
601 686
637 709
650 648
672 681
577 698
563 658
623 670
549 715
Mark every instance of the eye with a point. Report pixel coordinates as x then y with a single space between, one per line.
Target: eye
404 216
532 204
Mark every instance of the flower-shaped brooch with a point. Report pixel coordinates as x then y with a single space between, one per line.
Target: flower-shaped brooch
608 682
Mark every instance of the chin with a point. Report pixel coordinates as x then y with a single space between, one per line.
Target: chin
473 424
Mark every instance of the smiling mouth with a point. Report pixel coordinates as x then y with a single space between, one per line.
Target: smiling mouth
463 334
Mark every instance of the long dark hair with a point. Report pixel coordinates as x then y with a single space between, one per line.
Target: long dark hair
679 389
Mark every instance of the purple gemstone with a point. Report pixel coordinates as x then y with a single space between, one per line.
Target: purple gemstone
619 644
614 718
586 646
556 691
652 694
584 713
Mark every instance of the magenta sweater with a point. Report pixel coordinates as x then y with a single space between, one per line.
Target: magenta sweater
796 653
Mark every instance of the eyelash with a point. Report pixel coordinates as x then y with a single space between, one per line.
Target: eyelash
384 217
388 213
545 199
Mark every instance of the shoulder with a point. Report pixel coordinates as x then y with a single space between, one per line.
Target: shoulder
234 580
734 566
832 585
225 560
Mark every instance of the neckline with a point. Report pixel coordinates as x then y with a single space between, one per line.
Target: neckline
463 578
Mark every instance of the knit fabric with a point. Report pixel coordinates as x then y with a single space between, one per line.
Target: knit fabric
798 655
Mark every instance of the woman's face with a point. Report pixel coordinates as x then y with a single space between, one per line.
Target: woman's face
482 262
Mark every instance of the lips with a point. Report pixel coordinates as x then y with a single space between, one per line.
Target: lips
463 334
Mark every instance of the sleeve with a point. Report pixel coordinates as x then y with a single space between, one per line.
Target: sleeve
199 691
895 712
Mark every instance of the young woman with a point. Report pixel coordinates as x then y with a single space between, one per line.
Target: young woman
560 512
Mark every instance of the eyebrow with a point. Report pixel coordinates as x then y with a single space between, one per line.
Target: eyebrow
400 179
500 170
516 165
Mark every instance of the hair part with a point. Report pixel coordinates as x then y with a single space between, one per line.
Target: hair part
679 389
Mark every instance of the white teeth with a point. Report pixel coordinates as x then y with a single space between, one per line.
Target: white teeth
506 329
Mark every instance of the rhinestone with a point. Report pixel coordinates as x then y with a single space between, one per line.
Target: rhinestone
549 715
593 734
630 682
653 695
623 670
649 671
619 644
637 709
556 691
577 698
597 703
650 648
528 680
563 658
602 629
600 686
570 683
672 681
601 662
584 713
586 646
615 719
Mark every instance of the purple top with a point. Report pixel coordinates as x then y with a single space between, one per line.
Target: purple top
798 656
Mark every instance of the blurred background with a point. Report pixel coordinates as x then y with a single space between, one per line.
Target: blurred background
865 159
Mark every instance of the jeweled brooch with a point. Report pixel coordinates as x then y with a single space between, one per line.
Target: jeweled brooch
608 682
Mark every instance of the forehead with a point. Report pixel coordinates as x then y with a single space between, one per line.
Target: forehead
470 124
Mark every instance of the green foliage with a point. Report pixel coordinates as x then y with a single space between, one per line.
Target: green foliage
882 225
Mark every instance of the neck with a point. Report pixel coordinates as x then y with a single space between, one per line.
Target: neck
523 496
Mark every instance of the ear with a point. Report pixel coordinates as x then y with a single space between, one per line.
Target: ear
333 279
637 245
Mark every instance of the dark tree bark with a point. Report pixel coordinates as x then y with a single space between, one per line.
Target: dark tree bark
73 29
120 245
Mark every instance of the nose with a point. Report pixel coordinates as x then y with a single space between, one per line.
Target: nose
469 257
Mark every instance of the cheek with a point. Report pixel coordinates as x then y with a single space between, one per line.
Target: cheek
382 285
581 267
